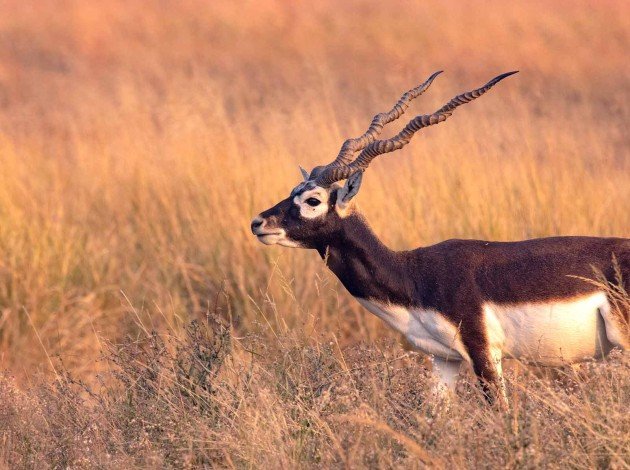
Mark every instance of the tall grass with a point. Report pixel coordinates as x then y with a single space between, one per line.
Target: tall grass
138 139
206 399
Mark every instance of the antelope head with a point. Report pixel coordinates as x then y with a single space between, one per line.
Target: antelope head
316 208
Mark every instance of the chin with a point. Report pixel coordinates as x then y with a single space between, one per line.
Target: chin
278 239
289 243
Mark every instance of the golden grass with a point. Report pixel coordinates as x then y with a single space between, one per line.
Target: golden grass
138 139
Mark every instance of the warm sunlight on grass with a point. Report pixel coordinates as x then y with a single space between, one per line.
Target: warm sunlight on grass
138 139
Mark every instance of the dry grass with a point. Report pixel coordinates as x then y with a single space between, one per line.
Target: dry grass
137 140
204 398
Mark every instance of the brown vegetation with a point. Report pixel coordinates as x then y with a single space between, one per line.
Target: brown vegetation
138 139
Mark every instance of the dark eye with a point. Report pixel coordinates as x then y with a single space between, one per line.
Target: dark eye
311 201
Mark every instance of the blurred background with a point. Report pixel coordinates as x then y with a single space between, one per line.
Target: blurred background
138 139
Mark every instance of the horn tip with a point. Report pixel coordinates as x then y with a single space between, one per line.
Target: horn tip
498 78
507 74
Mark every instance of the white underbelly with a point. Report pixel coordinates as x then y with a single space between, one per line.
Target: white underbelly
550 333
425 329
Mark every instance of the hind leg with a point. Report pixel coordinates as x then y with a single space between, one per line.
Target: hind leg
616 311
616 324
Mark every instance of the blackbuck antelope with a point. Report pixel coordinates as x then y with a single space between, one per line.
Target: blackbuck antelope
460 300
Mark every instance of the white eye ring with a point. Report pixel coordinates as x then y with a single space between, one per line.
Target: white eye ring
311 201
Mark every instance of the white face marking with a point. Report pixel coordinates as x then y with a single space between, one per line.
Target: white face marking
426 329
550 333
278 236
311 212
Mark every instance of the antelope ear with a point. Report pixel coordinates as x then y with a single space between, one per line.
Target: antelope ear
305 173
349 190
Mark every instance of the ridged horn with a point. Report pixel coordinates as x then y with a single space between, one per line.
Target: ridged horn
351 146
379 147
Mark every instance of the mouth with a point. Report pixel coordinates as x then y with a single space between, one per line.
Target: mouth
276 238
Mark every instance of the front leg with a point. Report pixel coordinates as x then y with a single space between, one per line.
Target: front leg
484 346
446 374
486 363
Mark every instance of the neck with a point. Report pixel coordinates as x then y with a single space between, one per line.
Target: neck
364 265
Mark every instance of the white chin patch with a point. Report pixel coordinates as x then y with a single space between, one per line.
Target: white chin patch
289 243
279 238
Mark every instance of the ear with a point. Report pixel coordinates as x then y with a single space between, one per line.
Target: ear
305 173
349 190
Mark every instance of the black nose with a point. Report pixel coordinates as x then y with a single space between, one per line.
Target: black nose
256 223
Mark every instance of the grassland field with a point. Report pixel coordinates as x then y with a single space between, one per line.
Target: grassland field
142 325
